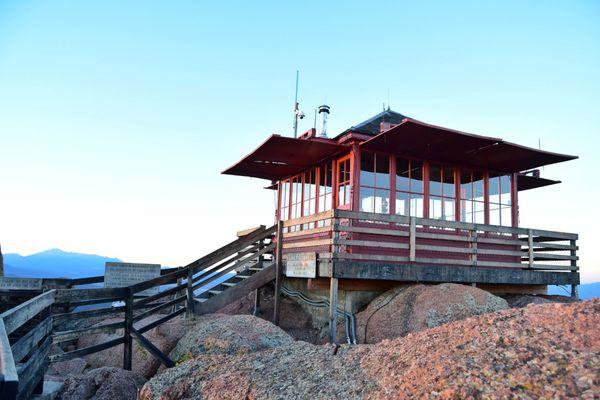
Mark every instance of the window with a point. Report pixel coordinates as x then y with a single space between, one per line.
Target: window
441 192
310 195
500 200
325 187
409 187
472 200
296 204
374 183
343 182
285 200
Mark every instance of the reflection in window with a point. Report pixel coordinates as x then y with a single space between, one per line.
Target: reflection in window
344 182
310 195
284 200
472 201
500 200
441 192
374 183
409 187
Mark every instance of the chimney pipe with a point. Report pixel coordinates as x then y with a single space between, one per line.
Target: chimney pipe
324 109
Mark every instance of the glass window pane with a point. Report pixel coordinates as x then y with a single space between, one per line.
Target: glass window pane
416 205
505 215
466 211
382 169
478 186
448 188
367 199
435 207
479 212
435 180
416 176
505 190
382 201
402 203
402 175
466 185
494 190
367 169
449 209
494 214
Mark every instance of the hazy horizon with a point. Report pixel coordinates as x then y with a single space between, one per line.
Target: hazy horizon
117 119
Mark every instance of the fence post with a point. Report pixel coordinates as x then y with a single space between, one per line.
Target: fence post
190 291
278 272
413 239
127 341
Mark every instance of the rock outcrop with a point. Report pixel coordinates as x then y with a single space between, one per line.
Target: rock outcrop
228 334
106 383
413 308
540 351
293 318
165 337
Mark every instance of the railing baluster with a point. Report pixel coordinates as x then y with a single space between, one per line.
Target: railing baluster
473 234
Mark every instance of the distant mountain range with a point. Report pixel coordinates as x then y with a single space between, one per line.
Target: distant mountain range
56 263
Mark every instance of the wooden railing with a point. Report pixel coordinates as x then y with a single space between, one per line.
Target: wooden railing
362 236
55 316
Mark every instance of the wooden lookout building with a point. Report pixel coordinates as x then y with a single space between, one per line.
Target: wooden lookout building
396 199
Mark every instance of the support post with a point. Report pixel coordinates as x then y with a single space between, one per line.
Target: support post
127 340
278 272
333 302
574 292
413 239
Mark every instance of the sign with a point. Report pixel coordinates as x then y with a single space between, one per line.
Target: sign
301 265
20 283
118 274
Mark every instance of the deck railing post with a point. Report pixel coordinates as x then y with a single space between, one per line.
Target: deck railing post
530 247
473 234
413 239
127 340
278 272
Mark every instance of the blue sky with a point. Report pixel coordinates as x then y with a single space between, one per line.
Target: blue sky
116 118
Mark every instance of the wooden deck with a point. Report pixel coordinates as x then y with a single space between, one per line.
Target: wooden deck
359 245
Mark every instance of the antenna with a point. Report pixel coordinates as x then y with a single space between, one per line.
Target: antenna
297 112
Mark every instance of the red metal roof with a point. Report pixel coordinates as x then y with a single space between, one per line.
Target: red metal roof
420 140
279 157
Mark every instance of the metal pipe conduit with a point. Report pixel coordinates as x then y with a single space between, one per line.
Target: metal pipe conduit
349 317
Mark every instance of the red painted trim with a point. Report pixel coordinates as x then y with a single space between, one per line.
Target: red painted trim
486 198
392 184
355 178
514 194
457 194
425 189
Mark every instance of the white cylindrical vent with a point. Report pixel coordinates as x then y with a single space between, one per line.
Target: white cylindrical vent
324 111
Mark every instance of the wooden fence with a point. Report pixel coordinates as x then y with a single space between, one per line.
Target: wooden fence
55 316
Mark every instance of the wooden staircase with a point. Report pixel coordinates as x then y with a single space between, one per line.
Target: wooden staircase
251 267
